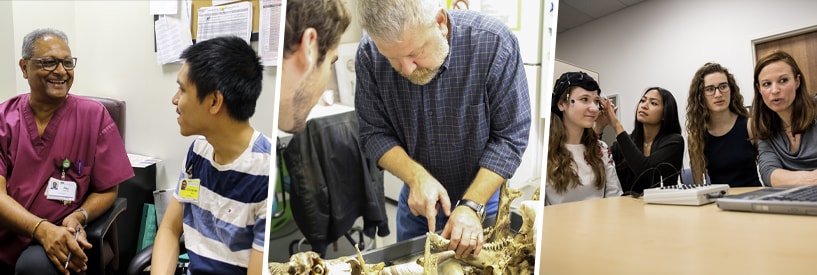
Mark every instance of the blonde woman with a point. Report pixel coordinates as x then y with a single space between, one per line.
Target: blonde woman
718 130
579 165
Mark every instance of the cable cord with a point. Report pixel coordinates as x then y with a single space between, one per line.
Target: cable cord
652 175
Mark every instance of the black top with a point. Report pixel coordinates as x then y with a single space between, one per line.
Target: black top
637 172
731 158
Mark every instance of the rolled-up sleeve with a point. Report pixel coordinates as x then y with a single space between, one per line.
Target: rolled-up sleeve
509 110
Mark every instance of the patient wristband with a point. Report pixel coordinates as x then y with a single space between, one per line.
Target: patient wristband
36 226
84 214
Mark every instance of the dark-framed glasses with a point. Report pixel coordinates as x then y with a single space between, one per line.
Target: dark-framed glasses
710 90
50 63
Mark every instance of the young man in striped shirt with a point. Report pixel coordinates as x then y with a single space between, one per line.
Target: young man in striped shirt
222 210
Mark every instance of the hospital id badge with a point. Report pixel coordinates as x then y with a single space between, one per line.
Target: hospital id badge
188 190
61 190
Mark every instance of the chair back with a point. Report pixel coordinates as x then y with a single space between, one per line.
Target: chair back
116 108
686 177
110 263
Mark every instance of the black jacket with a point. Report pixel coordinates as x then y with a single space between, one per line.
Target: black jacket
637 172
333 183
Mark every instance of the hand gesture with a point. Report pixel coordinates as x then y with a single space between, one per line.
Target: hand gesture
423 199
464 229
607 116
57 241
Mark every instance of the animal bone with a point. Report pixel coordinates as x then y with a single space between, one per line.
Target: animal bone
452 267
502 226
503 252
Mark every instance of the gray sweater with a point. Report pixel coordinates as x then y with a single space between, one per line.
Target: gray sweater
774 154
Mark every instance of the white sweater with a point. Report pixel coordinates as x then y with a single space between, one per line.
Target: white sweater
586 190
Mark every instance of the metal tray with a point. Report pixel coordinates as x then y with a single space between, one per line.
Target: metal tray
411 249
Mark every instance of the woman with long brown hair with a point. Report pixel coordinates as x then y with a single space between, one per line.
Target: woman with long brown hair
783 122
718 130
579 165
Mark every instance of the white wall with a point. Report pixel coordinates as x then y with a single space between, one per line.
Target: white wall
7 61
114 43
530 168
663 43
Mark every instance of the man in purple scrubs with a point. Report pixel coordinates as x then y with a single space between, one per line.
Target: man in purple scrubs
50 138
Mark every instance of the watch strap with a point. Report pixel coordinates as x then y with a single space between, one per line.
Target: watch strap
478 208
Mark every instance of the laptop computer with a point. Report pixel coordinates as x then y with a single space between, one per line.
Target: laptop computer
801 200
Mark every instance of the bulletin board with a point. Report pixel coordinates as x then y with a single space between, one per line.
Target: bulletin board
209 3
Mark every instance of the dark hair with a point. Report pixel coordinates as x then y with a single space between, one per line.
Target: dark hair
329 18
669 124
228 65
567 80
766 122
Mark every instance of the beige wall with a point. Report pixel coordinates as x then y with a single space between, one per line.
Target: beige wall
7 61
114 43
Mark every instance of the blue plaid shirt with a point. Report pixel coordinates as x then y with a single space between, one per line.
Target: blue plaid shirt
474 113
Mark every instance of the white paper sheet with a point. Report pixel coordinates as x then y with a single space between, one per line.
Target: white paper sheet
173 33
269 31
141 161
222 2
234 19
163 6
172 37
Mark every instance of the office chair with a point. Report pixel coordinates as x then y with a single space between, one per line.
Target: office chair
102 231
686 177
142 260
137 191
104 259
116 108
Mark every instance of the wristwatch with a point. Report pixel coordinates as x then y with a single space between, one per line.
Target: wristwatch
477 207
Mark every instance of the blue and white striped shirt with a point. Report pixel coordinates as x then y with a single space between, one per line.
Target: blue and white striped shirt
229 219
474 113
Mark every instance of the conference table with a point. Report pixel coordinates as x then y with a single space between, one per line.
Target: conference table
625 235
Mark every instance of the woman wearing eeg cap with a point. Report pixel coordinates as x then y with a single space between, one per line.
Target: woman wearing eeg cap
579 165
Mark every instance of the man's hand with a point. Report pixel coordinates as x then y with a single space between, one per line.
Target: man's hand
72 222
423 197
464 229
57 241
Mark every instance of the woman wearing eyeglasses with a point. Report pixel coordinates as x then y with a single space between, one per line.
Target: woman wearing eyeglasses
579 165
718 131
783 122
654 152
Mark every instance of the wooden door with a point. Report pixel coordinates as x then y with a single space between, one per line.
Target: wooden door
800 45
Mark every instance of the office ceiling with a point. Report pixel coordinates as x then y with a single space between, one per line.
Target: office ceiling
574 13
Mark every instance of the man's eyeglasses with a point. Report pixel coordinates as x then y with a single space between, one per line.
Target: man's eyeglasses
710 90
50 64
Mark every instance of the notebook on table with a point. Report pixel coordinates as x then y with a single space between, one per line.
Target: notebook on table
801 200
